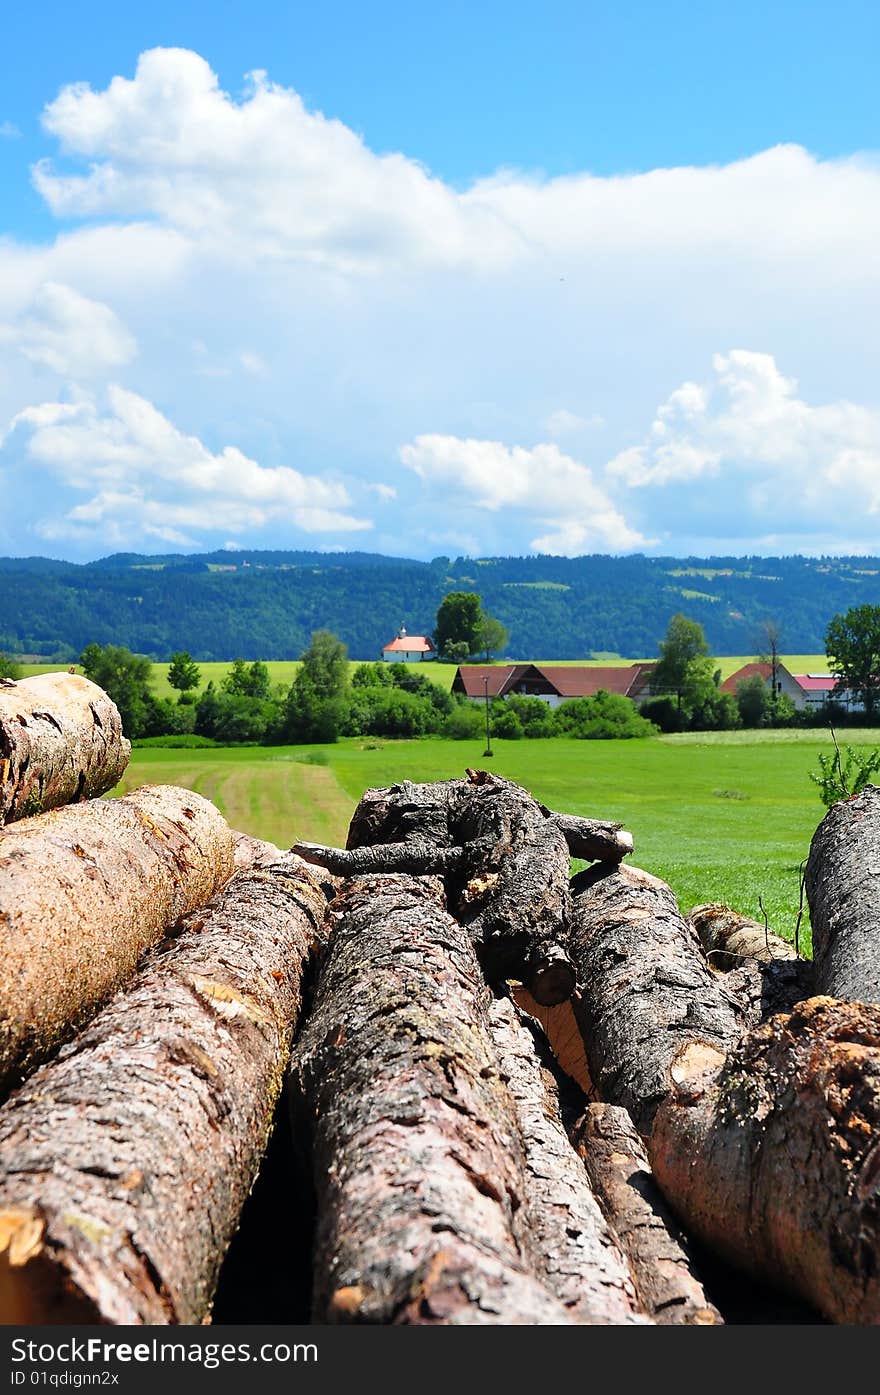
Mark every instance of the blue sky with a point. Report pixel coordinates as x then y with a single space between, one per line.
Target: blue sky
458 278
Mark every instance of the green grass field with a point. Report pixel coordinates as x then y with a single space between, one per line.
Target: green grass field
725 817
284 670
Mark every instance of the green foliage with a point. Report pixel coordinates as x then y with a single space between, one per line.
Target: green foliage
376 675
753 701
465 723
840 778
459 617
318 703
184 673
248 680
852 643
663 712
189 742
125 678
8 667
684 645
491 637
601 717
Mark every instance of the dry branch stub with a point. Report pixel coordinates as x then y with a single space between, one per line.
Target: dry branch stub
613 1154
653 1014
83 892
416 1154
843 890
774 1162
561 1224
60 741
124 1162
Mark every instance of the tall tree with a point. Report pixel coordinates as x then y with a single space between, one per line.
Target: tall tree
682 659
317 704
491 636
184 673
458 620
125 678
852 643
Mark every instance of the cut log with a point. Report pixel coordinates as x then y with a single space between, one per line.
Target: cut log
60 741
617 1165
776 985
509 885
565 1036
842 882
561 1224
774 1159
83 892
595 840
417 1158
124 1162
654 1014
729 937
251 852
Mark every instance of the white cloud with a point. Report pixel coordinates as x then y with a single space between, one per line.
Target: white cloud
755 449
552 488
565 423
69 333
144 475
9 130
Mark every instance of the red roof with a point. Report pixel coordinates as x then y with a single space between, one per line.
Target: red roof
816 682
764 671
566 681
410 644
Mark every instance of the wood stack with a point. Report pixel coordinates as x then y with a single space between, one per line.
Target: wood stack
513 1097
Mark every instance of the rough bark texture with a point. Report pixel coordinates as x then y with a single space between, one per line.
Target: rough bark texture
124 1163
620 1175
251 852
595 840
83 892
654 1013
728 937
561 1224
60 741
774 1160
843 890
776 985
418 859
417 1158
509 884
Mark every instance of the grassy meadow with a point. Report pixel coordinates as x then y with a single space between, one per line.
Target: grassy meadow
720 816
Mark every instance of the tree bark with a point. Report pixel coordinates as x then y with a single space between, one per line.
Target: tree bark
763 989
561 1223
729 937
595 840
60 741
417 1159
124 1163
417 859
251 852
774 1160
510 887
83 892
843 891
612 1152
654 1014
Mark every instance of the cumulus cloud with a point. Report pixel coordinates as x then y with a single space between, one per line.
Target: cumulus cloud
551 488
755 448
69 333
144 475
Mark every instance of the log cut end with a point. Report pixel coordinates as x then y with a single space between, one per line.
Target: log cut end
550 976
35 1289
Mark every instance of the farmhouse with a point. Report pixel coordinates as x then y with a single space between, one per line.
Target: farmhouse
407 649
808 691
552 683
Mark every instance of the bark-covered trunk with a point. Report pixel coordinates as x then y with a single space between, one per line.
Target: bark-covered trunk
83 892
616 1163
774 1160
60 741
595 840
417 1158
561 1224
505 864
654 1014
843 890
251 852
728 937
124 1162
766 987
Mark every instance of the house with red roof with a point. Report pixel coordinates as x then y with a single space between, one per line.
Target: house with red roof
408 649
806 690
552 683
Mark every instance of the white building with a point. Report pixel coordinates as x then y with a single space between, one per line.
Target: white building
407 649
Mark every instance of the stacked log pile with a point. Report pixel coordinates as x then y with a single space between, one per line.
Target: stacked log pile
513 1096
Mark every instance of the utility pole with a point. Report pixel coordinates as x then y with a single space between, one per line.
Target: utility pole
488 750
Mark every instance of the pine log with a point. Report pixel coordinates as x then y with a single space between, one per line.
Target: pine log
125 1161
773 1160
654 1014
595 840
842 882
728 937
510 887
561 1224
416 1154
83 892
617 1165
60 741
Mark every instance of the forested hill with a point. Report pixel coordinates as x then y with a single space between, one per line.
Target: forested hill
266 604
